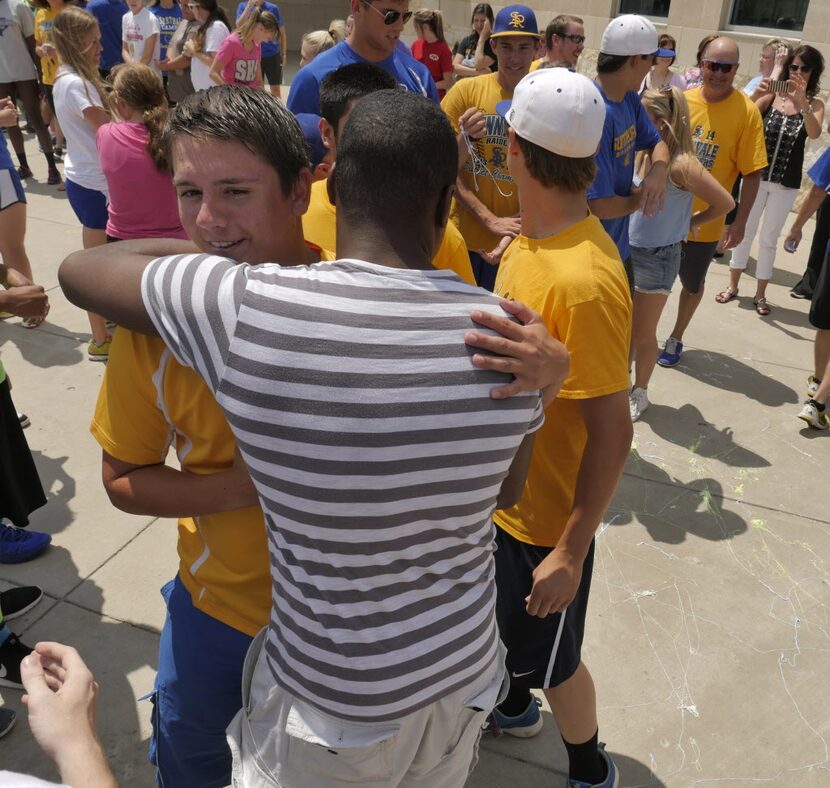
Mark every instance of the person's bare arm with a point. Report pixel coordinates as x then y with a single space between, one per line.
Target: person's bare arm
61 695
174 64
749 191
514 483
653 187
163 491
149 49
96 117
461 70
556 579
216 71
22 297
699 181
125 54
500 226
815 197
472 124
615 207
106 279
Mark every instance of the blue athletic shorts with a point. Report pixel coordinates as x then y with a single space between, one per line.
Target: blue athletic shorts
11 188
90 206
198 692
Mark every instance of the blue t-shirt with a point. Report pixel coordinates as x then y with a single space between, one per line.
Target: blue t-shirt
819 174
168 19
305 89
269 48
109 13
627 129
5 157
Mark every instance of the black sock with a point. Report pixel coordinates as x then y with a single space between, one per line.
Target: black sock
50 160
516 702
24 162
584 761
819 408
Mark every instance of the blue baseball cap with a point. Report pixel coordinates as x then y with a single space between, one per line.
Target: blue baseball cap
310 124
515 20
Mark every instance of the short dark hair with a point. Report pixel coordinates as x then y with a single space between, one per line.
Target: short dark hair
397 156
608 64
343 86
551 169
255 118
557 27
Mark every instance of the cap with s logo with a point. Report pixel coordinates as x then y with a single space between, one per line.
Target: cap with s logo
515 20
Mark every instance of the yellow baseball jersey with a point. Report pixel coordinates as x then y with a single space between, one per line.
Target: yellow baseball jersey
320 228
43 35
576 281
728 137
498 193
149 402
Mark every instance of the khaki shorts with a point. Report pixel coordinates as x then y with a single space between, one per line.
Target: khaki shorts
279 740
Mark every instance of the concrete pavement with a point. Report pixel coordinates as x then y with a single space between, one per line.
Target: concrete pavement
709 627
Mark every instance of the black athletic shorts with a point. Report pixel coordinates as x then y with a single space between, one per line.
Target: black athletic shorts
541 652
820 305
694 263
272 69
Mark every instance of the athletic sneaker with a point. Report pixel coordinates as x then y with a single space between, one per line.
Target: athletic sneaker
17 545
612 779
12 653
24 420
672 350
7 720
525 725
17 601
816 418
637 402
812 386
96 352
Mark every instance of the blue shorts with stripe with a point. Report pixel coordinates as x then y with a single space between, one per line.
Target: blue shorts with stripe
541 652
11 188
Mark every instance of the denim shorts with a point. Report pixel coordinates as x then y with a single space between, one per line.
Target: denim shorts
655 269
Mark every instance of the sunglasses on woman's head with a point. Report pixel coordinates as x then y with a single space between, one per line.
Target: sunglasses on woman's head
714 65
390 16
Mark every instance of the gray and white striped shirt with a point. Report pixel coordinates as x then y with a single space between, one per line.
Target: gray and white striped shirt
377 454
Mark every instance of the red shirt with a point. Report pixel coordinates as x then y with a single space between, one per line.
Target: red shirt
435 56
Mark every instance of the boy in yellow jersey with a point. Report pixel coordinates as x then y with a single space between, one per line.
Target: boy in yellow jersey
486 204
565 266
339 92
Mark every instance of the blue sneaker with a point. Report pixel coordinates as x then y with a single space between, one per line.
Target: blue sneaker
17 545
672 351
612 779
527 724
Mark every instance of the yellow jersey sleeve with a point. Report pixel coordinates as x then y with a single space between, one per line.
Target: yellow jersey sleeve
453 255
320 220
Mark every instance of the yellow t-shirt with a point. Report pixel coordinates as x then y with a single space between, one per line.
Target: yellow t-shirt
535 64
320 228
483 92
43 35
576 281
149 401
729 139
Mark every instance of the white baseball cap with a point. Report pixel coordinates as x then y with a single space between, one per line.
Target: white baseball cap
629 34
558 110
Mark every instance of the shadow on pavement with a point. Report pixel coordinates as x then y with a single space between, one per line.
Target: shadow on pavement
670 511
60 490
60 350
725 372
687 427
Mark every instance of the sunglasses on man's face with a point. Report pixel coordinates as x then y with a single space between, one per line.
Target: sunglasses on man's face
390 16
802 69
713 65
574 38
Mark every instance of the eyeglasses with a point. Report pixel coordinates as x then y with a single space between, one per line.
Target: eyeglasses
713 65
575 38
802 69
390 16
193 5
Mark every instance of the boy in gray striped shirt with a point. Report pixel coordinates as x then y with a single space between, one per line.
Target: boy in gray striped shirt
378 456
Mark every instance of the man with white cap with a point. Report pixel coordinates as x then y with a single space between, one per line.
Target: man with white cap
486 206
565 266
627 51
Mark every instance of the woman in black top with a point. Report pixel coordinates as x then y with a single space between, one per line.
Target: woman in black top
477 43
790 117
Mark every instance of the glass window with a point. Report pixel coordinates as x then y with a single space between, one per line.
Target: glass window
658 8
770 14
